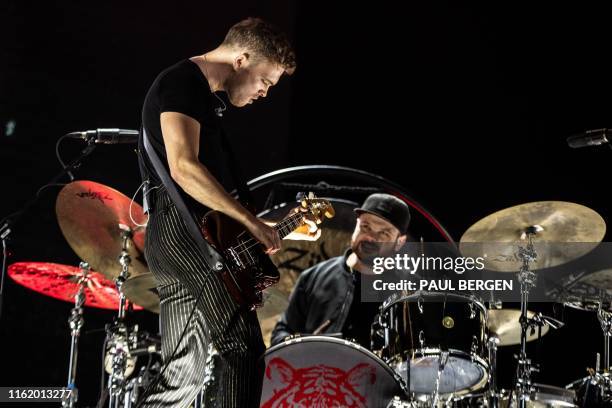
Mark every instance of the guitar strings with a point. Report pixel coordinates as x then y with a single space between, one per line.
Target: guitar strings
281 225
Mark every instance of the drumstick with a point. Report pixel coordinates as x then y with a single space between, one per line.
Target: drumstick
321 327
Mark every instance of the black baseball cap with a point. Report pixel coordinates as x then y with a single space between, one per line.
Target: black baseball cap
389 208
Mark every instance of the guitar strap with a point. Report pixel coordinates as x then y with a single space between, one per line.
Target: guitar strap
213 258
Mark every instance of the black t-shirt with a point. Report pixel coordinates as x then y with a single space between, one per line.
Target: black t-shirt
183 88
361 314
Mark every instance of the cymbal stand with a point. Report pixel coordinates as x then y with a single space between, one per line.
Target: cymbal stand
602 378
527 279
75 322
493 393
117 333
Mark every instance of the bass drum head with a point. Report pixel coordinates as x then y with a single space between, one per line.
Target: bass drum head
321 371
461 374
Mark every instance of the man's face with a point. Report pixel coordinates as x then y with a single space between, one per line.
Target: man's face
374 237
251 80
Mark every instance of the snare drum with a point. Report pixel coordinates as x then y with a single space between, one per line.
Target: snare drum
319 371
440 338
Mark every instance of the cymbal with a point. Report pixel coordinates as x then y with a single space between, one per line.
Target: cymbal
504 323
142 291
62 282
562 232
602 280
590 292
90 215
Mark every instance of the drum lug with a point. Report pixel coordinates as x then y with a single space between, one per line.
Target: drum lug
422 338
474 347
420 304
472 311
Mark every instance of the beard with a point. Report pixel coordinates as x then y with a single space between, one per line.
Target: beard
366 251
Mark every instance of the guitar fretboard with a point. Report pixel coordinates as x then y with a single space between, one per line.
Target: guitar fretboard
288 225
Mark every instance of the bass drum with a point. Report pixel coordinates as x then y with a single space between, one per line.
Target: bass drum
439 339
319 371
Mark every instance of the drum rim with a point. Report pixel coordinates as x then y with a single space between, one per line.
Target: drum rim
328 339
537 389
432 351
471 298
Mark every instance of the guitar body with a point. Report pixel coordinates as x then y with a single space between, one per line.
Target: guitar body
248 270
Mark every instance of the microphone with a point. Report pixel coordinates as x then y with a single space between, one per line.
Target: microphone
594 137
107 136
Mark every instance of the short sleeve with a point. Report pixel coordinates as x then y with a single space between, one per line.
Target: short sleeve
181 91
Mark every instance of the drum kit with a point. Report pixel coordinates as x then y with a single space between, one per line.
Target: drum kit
438 348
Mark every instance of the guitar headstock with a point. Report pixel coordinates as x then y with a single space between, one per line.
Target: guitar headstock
318 208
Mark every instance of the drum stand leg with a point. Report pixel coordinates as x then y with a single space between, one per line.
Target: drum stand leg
602 378
76 323
492 344
527 279
118 331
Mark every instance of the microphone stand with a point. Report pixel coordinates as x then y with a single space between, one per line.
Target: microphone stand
8 223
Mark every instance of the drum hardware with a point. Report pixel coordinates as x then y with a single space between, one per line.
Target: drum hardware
591 292
493 393
549 221
596 388
117 333
527 279
75 322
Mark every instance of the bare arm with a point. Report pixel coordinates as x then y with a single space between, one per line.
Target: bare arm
181 135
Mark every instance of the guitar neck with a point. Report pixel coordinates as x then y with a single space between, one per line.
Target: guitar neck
288 225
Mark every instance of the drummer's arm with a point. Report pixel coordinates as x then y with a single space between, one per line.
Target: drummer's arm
293 320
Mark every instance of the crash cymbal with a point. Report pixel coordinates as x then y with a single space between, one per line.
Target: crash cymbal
62 282
562 232
142 291
90 216
504 323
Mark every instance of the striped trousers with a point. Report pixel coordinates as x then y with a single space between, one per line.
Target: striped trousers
175 261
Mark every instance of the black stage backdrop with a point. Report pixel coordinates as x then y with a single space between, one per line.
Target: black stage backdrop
466 106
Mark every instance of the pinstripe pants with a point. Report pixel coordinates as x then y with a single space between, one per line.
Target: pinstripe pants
175 261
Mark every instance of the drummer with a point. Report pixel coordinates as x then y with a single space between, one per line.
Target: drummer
327 297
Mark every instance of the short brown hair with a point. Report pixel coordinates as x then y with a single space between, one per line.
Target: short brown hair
264 40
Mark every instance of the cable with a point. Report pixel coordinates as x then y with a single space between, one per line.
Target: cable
59 158
134 198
